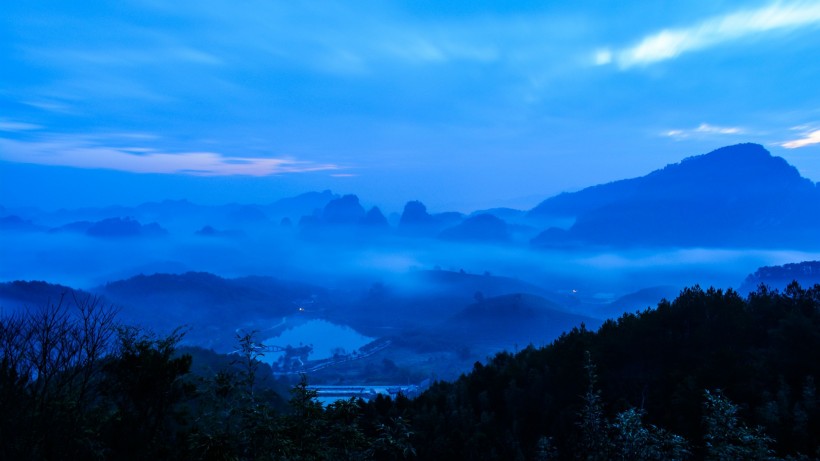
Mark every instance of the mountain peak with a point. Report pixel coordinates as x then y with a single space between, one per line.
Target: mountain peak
742 193
737 157
740 166
344 210
743 151
415 214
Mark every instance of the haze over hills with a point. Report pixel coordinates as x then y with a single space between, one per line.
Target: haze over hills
326 285
449 210
712 219
729 200
212 307
18 295
517 318
735 196
806 273
427 312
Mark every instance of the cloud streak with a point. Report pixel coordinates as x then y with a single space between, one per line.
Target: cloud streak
809 139
18 126
704 129
671 43
82 154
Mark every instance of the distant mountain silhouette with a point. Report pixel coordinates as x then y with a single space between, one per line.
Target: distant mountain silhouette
76 226
124 227
182 213
247 214
415 220
515 318
806 273
211 305
479 228
300 205
415 215
163 211
421 299
112 228
637 301
210 231
734 196
486 285
19 295
155 267
447 218
268 294
16 223
503 213
343 221
344 210
468 284
375 218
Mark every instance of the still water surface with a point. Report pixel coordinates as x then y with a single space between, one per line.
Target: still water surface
324 336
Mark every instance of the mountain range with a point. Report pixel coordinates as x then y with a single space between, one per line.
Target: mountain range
736 196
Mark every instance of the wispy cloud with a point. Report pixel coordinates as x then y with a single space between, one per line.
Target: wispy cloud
82 154
603 56
113 56
671 43
704 129
18 126
809 138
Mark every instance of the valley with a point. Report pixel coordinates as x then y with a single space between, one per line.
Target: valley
352 296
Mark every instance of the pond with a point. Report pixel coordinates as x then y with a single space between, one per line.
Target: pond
325 337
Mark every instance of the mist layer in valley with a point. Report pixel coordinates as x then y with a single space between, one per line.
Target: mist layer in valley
432 291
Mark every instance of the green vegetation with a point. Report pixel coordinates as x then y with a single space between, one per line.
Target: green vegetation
710 375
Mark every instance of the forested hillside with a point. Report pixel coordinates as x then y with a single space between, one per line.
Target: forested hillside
691 379
710 375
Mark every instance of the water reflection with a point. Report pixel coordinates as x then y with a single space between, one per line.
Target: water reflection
327 339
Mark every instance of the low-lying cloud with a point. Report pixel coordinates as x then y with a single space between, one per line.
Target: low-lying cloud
85 154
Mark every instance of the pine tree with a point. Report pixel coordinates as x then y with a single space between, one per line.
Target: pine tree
727 438
594 441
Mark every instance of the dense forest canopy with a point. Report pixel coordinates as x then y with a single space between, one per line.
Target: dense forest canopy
710 375
667 364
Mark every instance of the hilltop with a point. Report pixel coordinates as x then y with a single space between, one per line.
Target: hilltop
735 196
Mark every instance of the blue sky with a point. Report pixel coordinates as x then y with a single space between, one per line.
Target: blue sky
461 104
